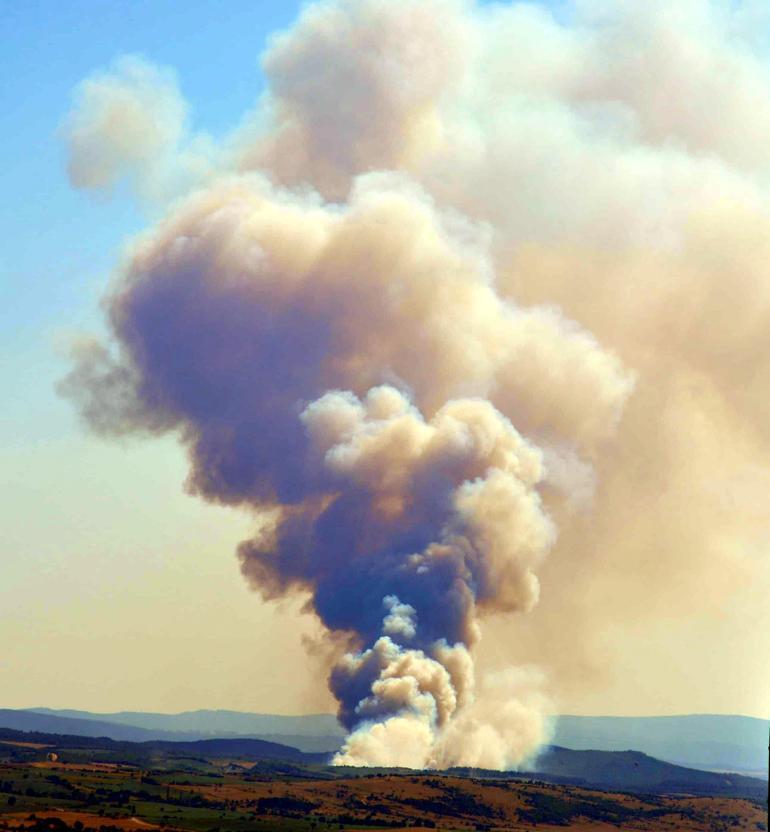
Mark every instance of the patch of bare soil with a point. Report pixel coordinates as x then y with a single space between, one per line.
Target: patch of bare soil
70 817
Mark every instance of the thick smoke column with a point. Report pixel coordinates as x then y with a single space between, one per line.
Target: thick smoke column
451 523
347 370
362 326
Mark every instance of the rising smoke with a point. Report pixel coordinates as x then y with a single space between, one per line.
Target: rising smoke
358 324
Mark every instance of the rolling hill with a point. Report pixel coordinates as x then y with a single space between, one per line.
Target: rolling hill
312 733
715 742
637 772
39 743
607 770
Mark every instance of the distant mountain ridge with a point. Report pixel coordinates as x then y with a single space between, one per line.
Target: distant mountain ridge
51 723
213 722
630 771
712 742
313 733
634 771
242 747
706 741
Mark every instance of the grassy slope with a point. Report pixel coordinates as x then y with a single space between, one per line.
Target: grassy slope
211 798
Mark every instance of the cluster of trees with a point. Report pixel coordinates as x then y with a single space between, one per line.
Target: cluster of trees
560 811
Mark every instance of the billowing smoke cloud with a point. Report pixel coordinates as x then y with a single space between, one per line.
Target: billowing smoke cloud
373 327
130 122
346 370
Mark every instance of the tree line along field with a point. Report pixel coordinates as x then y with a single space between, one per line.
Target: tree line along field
233 796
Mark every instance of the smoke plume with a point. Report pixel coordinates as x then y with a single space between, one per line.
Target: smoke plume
131 123
465 274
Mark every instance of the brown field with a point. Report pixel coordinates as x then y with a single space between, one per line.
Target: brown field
455 803
89 820
93 795
82 766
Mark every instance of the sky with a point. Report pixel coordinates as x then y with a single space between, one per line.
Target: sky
120 591
100 547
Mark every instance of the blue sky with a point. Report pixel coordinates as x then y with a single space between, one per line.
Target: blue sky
59 245
78 558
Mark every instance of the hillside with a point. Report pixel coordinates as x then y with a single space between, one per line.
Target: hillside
637 772
36 744
314 733
724 743
51 796
629 771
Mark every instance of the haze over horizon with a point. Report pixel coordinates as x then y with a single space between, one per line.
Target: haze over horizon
519 349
